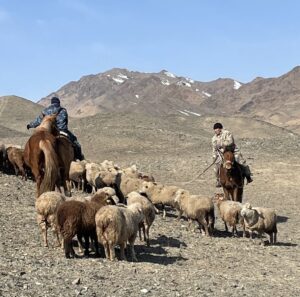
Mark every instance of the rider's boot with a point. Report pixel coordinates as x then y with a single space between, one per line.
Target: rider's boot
247 173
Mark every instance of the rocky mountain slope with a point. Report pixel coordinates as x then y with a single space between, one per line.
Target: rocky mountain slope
275 100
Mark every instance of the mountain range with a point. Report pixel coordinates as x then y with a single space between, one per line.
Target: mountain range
274 100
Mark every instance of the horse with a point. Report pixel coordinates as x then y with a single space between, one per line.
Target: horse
231 177
41 156
59 153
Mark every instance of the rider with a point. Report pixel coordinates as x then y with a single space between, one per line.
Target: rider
223 138
61 123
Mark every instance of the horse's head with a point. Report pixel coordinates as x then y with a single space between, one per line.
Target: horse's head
228 160
49 124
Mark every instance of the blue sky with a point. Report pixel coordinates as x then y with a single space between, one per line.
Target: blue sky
46 44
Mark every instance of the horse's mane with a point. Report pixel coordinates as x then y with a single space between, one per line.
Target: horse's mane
49 124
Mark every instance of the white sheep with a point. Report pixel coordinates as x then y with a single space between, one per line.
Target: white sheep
148 210
118 225
92 172
196 207
77 174
230 212
260 219
98 176
160 194
46 206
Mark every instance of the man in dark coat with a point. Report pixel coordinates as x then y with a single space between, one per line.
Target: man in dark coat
61 123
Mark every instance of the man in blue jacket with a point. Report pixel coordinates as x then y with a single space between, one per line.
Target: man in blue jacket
61 123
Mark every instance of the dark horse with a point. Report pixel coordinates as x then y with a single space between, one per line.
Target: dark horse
231 177
49 156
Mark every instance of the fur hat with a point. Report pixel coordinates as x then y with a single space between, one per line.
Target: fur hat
55 100
218 126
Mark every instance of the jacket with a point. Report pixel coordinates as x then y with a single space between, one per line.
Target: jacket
61 119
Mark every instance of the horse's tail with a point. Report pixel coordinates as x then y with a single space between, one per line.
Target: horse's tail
51 174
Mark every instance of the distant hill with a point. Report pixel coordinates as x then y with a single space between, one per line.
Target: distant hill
16 112
275 100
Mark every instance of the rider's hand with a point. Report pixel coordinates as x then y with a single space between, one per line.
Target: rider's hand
28 126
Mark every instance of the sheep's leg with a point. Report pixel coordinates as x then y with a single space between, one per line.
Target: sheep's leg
271 238
234 230
179 215
16 170
226 228
147 235
131 244
43 226
244 229
94 239
80 243
202 221
274 237
122 250
56 234
69 251
164 211
144 231
87 246
106 250
51 220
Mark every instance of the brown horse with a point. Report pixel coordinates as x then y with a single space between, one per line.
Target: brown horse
231 177
40 155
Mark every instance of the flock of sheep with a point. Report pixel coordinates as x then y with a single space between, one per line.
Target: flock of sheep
123 203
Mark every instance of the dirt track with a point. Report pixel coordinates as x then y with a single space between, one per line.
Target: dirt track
178 262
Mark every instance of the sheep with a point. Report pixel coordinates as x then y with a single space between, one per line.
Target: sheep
92 171
160 194
78 218
98 177
197 208
148 211
77 174
46 206
230 213
261 220
16 158
117 225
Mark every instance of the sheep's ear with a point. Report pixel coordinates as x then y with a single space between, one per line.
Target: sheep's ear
155 183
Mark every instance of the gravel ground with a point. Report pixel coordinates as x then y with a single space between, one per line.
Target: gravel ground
178 262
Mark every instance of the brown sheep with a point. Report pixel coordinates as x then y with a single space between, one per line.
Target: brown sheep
78 218
16 158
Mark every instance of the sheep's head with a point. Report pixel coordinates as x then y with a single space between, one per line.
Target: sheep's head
179 195
147 187
219 197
